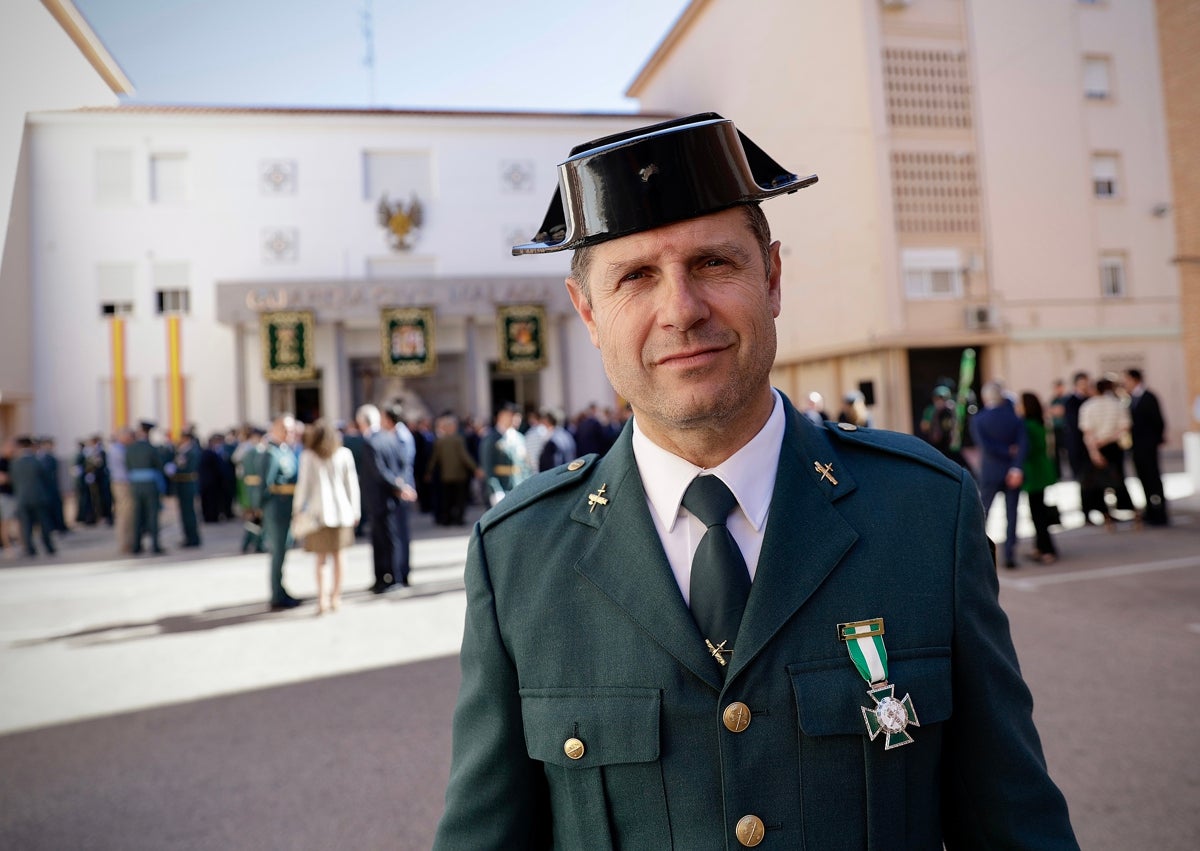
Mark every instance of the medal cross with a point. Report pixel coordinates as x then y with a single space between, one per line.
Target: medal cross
890 716
826 471
597 498
717 651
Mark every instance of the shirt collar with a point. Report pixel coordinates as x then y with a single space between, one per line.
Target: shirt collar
749 473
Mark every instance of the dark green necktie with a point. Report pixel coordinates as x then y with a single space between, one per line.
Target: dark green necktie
720 582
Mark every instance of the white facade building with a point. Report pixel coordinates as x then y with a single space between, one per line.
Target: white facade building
217 216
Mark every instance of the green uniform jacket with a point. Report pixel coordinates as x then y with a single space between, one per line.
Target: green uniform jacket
576 629
1039 466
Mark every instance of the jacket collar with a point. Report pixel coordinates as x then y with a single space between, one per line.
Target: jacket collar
805 539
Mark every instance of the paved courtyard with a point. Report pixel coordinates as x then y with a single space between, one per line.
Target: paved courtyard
156 703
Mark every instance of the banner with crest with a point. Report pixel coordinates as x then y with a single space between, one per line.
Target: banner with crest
521 331
287 345
407 345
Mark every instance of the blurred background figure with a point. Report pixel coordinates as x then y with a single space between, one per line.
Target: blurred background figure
451 467
854 410
1039 475
1148 431
1104 423
814 408
1003 444
327 489
31 491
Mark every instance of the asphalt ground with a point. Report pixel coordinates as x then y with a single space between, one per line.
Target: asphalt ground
157 703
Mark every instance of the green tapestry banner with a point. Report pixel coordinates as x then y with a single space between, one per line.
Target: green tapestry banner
287 345
407 344
521 330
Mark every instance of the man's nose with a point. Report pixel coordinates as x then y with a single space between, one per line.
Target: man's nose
683 304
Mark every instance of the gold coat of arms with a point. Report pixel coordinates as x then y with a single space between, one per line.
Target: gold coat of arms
402 221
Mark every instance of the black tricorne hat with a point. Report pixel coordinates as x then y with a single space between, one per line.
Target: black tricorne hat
652 176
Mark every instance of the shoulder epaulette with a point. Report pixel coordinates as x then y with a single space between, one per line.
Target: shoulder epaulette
537 487
894 443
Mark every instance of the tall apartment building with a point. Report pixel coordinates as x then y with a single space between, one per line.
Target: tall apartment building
993 176
1179 35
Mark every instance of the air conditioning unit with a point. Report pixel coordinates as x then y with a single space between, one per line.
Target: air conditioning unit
980 317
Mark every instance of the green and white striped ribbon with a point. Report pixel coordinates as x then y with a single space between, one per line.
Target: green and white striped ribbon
864 641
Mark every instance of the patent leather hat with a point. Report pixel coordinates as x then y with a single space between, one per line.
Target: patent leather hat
653 176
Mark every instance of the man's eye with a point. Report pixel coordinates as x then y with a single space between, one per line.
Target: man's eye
714 261
634 276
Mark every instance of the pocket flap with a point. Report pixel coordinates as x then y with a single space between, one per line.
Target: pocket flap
830 695
615 725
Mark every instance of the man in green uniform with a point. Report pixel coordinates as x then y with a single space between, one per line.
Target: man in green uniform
186 477
250 460
31 493
279 485
143 463
737 628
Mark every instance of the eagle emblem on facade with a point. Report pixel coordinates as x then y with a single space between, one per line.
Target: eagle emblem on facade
402 221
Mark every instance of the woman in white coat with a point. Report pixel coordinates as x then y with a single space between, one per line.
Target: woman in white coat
327 493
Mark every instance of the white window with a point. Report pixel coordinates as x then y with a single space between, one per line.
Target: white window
173 301
1112 275
400 175
114 176
169 182
1104 176
171 287
114 288
932 272
1097 79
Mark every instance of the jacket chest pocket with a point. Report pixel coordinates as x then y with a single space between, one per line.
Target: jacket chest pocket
600 750
842 767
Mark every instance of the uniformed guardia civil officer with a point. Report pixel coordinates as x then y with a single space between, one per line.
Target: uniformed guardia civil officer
250 460
186 479
738 628
279 485
147 482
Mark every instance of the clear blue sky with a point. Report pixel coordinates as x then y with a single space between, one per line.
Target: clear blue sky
492 54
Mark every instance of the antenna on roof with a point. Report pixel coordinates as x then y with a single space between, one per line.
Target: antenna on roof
368 31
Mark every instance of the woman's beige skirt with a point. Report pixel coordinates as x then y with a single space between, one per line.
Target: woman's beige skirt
329 539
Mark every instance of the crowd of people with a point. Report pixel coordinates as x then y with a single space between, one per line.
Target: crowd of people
260 477
1085 434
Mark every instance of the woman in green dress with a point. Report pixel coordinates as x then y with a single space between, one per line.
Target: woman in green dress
1039 475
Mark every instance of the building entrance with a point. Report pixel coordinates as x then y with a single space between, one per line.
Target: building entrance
929 368
300 398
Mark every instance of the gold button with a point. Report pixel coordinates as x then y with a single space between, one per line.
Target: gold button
750 831
847 426
575 465
574 748
736 717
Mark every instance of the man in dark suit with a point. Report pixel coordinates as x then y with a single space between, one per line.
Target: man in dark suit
31 491
384 491
596 711
1003 442
1148 432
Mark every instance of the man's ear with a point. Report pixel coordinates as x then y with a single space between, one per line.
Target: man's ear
774 276
583 307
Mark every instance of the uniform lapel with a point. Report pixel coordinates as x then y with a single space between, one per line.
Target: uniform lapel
625 561
806 536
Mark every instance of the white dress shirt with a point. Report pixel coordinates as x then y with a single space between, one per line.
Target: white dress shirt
749 473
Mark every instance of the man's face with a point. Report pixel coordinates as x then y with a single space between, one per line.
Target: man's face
683 316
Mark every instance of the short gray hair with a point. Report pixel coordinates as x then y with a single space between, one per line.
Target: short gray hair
368 414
